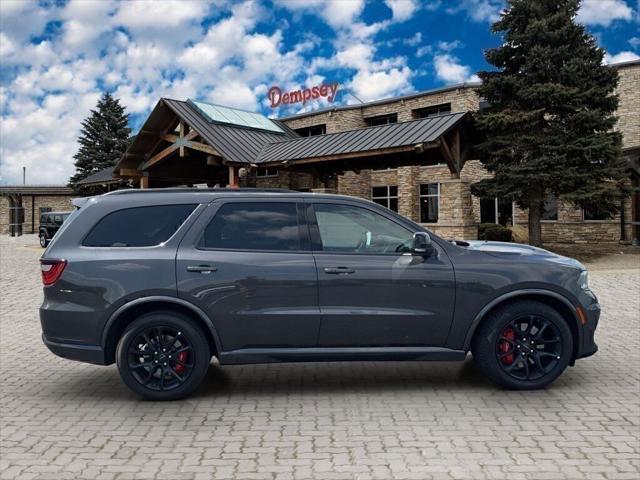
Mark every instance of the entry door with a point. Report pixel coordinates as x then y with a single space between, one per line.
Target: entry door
372 290
248 265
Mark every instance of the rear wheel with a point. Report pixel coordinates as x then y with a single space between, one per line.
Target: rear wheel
163 356
43 240
523 345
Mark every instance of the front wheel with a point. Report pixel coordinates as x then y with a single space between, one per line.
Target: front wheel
163 356
524 345
43 240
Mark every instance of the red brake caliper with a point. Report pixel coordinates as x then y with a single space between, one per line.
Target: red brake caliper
182 356
504 346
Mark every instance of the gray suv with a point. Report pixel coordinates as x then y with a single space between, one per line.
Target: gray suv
160 281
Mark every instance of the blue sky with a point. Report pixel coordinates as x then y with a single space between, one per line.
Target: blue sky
57 57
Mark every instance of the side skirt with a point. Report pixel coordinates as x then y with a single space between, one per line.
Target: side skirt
339 354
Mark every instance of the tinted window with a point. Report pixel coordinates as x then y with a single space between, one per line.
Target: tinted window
138 227
550 208
254 226
345 228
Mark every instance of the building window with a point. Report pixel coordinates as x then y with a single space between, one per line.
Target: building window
496 210
382 120
593 211
311 131
429 202
265 172
386 196
431 111
550 208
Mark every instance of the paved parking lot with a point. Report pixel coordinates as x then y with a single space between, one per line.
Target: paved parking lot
62 419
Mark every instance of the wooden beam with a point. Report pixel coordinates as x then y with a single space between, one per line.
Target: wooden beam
368 153
202 147
160 156
144 181
129 172
181 147
448 156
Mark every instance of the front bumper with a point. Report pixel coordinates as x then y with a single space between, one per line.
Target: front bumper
588 344
81 353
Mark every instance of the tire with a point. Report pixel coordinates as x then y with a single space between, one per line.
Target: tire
154 373
503 350
43 240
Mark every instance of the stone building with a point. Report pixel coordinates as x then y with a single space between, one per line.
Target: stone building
413 154
22 205
408 189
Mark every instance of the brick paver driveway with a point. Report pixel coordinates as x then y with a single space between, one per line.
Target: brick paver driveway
62 419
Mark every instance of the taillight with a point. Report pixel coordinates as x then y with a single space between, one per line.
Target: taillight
51 270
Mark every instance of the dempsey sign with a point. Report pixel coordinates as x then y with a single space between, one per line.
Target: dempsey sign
278 97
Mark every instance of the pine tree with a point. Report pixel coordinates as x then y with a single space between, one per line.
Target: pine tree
548 129
103 139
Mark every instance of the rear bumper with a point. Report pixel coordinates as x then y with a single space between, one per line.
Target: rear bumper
81 353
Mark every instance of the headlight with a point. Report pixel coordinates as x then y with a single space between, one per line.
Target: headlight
583 280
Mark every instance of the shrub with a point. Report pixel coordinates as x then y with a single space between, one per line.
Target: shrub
494 232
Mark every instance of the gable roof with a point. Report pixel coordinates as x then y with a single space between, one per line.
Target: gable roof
378 138
100 177
235 144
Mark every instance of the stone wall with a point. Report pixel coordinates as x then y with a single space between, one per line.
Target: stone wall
629 107
339 120
57 203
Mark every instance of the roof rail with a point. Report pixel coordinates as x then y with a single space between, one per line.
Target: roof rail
128 191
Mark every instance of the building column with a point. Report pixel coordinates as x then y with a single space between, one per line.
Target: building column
144 180
408 192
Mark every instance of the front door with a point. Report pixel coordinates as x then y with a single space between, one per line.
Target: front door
372 291
248 265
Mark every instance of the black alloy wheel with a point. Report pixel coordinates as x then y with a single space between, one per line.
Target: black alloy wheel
163 355
529 348
523 345
159 358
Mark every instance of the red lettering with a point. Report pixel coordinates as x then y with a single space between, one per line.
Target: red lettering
274 96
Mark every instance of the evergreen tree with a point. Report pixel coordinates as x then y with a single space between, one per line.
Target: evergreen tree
548 129
103 139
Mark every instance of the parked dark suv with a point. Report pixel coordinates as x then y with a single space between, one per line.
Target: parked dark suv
50 223
159 281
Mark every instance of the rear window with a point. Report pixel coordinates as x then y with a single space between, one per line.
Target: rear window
138 227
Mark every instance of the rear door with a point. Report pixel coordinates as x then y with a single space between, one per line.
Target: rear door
248 264
372 290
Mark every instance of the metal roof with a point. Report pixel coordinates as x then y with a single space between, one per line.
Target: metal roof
100 177
36 189
235 144
381 137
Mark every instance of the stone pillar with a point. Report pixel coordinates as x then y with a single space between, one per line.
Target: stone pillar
355 184
408 192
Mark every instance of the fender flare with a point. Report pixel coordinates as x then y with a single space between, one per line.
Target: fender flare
161 298
515 294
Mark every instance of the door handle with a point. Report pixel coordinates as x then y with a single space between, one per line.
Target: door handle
339 270
205 269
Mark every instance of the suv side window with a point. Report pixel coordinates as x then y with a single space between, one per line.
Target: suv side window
351 229
254 226
138 227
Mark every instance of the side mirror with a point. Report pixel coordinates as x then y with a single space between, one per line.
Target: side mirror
422 244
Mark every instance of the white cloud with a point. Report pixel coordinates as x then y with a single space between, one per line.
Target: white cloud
479 10
620 57
449 69
604 12
634 42
449 46
402 10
